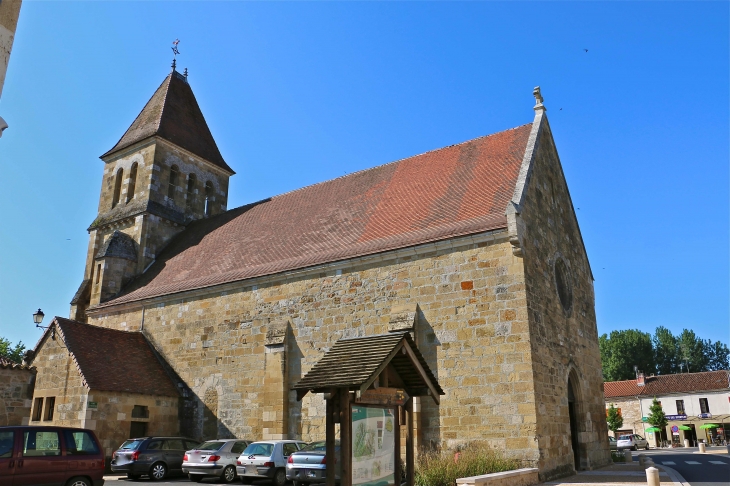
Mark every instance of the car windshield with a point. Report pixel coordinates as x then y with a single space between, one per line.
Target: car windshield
258 449
625 437
210 446
130 445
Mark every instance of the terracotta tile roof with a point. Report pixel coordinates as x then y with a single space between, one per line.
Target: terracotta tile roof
117 361
7 364
457 190
663 384
173 114
350 363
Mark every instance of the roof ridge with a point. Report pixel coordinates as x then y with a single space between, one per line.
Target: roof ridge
433 151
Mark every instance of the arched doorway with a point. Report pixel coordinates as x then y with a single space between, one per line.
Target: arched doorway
574 414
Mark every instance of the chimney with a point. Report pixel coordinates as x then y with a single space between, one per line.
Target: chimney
640 380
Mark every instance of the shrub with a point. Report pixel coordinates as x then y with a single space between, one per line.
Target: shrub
439 468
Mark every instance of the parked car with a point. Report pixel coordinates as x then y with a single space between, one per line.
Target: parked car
156 457
308 464
612 443
50 456
266 459
632 441
214 458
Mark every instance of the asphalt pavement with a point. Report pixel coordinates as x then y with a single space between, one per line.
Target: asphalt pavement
710 469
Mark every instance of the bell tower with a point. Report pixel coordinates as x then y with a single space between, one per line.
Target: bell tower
165 172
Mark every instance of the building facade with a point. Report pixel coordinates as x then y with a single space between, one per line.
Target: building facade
474 248
688 399
16 392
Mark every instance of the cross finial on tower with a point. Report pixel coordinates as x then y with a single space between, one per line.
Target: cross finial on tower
538 99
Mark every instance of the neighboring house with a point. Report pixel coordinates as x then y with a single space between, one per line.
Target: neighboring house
106 380
16 391
689 399
474 248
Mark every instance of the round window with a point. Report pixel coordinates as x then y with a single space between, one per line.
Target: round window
564 284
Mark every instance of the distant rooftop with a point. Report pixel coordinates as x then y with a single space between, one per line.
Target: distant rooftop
664 384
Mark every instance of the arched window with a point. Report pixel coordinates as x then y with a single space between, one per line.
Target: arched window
208 198
174 171
191 191
117 187
132 182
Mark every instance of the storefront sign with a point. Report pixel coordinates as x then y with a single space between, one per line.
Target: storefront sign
92 405
705 416
373 446
677 417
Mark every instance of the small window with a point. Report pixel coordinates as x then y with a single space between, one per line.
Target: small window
680 407
289 448
140 411
7 439
132 182
191 191
98 274
564 284
154 445
79 443
704 406
41 443
239 447
37 409
137 429
117 187
174 172
209 191
50 405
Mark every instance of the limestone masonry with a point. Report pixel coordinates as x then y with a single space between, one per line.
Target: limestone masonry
474 248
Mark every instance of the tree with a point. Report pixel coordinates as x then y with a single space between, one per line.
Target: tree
623 350
692 351
13 353
666 351
614 419
718 355
657 417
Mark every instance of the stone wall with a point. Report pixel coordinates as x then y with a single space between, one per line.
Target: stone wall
630 411
564 337
9 12
472 329
16 392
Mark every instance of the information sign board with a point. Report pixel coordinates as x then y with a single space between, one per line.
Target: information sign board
373 446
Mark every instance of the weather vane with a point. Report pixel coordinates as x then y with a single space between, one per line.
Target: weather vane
175 52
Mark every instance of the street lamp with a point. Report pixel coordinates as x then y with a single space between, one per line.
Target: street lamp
38 318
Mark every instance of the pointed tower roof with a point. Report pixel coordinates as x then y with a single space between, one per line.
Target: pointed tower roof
173 114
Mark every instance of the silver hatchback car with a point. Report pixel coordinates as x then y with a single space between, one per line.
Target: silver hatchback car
266 460
309 465
214 458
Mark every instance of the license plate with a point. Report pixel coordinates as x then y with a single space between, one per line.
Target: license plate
251 470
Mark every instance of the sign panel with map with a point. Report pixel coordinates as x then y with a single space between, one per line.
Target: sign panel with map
373 446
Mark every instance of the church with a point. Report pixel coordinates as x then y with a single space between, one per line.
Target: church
200 320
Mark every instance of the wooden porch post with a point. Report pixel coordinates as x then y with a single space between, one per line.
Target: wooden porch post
330 439
410 465
396 439
345 438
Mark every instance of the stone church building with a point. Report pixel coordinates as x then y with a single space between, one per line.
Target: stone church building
196 319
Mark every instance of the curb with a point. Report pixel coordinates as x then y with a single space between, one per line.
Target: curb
677 478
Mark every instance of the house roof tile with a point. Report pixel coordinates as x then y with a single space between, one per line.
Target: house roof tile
454 191
664 384
116 361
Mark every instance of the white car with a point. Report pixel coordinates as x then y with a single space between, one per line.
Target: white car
632 441
214 458
266 460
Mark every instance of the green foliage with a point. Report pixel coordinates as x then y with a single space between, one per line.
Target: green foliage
440 468
618 456
624 349
614 419
13 353
657 417
663 353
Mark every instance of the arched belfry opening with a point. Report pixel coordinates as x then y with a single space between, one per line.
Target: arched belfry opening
575 412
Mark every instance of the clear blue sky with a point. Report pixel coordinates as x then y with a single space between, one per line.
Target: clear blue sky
297 93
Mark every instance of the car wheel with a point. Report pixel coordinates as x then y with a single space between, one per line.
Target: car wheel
634 448
78 482
133 477
646 447
196 478
158 471
279 477
229 474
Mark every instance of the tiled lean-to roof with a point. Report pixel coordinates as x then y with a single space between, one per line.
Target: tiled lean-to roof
664 384
454 191
174 115
116 361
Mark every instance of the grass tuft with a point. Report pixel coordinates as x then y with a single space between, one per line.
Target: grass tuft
438 468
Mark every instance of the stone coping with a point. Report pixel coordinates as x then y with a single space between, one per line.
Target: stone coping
497 477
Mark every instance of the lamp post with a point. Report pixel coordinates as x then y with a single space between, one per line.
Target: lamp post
38 318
